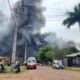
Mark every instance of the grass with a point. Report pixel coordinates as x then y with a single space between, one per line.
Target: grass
73 69
23 68
8 69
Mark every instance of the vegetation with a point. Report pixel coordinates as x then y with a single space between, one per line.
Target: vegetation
47 53
65 51
72 69
73 17
8 69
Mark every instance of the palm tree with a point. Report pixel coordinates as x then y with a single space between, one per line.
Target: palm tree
73 17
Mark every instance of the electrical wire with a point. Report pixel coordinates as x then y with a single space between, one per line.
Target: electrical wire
49 17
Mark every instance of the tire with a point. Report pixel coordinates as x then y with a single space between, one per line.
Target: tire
35 68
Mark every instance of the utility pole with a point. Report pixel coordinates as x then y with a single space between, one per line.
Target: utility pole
25 56
14 40
14 49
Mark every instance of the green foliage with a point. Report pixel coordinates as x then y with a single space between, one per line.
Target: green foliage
62 52
46 53
73 17
8 69
65 51
49 54
23 68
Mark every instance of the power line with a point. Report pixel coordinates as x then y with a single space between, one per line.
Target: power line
54 17
51 17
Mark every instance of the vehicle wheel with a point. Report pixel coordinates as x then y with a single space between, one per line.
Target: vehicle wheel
35 67
27 68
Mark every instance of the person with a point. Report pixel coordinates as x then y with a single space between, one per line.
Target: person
2 67
17 67
25 63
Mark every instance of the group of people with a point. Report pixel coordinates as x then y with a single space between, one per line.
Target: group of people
16 67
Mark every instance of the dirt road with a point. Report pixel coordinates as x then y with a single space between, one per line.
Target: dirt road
43 73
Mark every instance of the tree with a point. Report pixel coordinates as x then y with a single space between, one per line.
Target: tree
73 17
46 53
49 55
65 51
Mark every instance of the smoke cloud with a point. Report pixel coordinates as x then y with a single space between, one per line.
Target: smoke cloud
2 17
29 19
4 28
56 42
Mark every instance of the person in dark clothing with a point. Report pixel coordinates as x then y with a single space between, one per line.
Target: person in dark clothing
17 67
2 68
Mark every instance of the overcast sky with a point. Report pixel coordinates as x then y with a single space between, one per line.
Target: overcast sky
55 14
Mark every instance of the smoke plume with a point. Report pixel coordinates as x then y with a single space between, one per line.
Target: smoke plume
29 19
55 42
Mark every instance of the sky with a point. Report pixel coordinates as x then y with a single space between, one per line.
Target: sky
55 13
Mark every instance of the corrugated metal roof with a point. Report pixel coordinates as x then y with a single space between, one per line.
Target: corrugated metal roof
73 55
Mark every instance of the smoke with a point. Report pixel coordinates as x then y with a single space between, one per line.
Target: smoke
29 15
2 17
4 28
55 42
29 20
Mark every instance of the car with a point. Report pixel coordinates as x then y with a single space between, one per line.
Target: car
57 64
31 63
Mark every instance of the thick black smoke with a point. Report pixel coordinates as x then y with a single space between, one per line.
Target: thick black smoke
29 20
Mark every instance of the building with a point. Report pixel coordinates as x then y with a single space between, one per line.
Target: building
72 60
5 59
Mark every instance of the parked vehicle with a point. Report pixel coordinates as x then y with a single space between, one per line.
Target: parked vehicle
31 63
57 64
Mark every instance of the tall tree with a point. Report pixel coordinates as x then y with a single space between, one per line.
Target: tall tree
46 53
73 17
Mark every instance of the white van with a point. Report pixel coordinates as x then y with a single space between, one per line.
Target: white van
31 63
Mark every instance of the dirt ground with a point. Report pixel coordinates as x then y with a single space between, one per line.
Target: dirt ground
43 73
